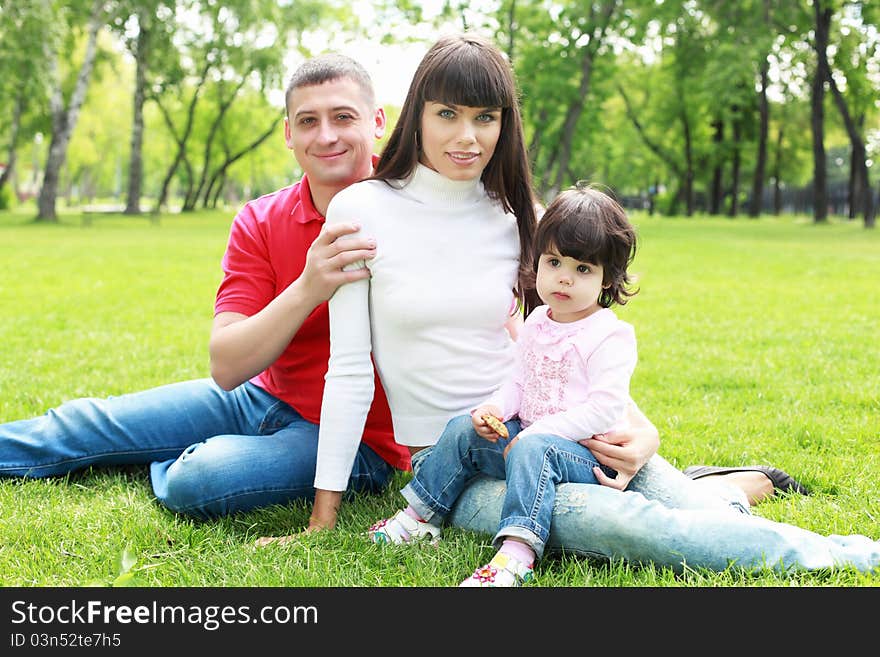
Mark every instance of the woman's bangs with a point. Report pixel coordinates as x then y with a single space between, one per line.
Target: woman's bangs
469 82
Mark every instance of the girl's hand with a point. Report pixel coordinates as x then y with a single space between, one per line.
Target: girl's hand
484 430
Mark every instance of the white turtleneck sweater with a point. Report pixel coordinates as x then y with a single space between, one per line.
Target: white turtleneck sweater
432 314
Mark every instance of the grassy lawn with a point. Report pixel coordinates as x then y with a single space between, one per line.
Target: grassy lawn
758 342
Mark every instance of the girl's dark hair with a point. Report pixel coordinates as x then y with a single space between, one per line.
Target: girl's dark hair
467 69
586 224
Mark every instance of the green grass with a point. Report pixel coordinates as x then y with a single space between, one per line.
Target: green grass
757 343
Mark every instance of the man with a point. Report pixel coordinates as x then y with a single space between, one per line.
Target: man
248 437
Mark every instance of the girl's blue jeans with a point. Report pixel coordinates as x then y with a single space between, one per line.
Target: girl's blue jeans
211 452
532 469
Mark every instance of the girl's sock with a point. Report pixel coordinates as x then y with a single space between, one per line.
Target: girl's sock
519 551
411 512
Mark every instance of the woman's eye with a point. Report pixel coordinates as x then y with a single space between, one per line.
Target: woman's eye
446 113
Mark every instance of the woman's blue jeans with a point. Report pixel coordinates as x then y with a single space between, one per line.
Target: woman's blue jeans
211 452
666 519
532 470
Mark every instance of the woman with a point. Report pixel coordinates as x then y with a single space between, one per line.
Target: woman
451 207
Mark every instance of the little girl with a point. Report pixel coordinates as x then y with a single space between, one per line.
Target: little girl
574 362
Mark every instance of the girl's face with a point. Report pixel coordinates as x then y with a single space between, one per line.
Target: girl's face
570 287
458 141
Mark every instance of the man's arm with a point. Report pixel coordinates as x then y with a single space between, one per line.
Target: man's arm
625 451
241 347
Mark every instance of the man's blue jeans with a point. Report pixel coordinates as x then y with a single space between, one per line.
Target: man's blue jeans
532 470
211 452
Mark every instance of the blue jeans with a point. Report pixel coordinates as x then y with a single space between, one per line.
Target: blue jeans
211 452
666 519
532 470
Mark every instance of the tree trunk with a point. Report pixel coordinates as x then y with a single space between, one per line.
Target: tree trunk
681 174
733 208
817 115
858 155
852 189
64 120
13 139
135 167
209 144
576 108
220 173
777 173
689 165
511 30
571 118
217 191
763 128
181 141
716 191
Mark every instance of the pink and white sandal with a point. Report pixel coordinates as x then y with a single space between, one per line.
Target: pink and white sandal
403 528
503 570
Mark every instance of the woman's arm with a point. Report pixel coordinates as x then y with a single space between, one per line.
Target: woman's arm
349 383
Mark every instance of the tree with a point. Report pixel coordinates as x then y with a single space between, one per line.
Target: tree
223 64
27 36
817 112
64 117
824 12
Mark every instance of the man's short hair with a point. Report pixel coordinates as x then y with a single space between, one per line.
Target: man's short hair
326 68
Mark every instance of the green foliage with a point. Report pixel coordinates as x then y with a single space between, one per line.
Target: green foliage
757 343
680 61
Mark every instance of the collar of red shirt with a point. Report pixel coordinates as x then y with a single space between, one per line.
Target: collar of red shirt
308 210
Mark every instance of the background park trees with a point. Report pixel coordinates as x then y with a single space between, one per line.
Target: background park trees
696 106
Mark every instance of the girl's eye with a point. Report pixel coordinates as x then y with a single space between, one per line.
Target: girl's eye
583 269
553 262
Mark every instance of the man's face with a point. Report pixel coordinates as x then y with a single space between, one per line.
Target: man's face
331 129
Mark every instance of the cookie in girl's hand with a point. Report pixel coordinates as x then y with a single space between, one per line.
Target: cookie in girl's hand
496 425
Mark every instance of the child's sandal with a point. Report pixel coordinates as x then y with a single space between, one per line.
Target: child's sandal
503 570
403 528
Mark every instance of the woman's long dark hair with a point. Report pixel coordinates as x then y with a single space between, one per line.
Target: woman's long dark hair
469 70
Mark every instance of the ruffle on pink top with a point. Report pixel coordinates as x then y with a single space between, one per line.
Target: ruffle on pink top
556 339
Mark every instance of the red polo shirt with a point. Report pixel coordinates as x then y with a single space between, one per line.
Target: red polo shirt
267 249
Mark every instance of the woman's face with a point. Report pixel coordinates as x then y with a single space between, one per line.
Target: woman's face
458 141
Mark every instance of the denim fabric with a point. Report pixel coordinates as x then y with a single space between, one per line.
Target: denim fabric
666 519
532 470
211 452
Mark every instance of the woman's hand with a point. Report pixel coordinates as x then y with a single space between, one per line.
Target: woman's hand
626 451
284 540
324 512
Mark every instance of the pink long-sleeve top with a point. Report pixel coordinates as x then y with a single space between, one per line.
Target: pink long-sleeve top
570 379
